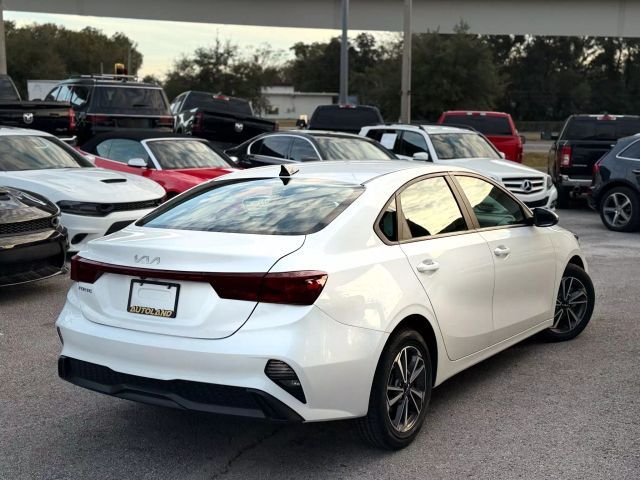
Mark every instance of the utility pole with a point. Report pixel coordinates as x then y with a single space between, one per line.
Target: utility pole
344 54
3 44
405 94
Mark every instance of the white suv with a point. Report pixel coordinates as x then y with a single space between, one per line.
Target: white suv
465 148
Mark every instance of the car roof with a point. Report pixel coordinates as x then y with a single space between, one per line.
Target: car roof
356 171
430 129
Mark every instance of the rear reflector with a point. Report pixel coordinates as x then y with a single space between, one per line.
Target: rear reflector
565 156
285 377
292 288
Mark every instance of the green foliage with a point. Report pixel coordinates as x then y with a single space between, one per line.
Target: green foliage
52 52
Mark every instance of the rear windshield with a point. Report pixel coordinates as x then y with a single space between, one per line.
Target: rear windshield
336 148
129 100
487 125
600 128
336 118
22 152
208 101
264 206
451 146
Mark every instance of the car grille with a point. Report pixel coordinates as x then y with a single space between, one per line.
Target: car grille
26 227
518 185
122 207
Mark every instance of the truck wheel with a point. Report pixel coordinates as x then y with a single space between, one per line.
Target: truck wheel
620 210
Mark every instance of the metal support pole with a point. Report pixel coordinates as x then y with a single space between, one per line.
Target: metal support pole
3 45
344 54
405 93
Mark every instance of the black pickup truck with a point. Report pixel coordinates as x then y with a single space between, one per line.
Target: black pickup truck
226 121
584 139
344 118
53 117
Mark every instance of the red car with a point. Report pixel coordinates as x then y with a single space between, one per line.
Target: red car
498 127
177 162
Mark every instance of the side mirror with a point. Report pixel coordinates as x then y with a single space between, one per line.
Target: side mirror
137 162
233 158
543 217
502 155
523 139
422 156
301 123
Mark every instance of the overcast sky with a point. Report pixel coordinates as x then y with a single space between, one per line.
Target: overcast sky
162 42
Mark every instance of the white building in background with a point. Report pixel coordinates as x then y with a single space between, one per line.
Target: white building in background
285 103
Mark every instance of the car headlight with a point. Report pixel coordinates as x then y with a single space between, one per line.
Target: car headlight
548 182
85 208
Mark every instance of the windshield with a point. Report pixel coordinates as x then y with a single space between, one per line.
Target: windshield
451 146
485 124
129 100
21 152
265 206
605 128
173 154
336 148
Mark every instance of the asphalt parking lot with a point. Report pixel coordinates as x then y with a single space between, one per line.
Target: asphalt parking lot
535 411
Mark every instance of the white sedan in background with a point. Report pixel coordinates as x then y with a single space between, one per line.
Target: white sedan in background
463 147
94 202
319 291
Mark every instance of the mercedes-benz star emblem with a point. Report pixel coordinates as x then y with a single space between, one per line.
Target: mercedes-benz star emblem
527 186
27 118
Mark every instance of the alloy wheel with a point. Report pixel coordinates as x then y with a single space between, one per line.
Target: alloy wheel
571 305
406 389
617 209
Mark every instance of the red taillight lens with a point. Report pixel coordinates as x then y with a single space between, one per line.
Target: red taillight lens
198 122
292 288
72 120
165 121
85 271
565 156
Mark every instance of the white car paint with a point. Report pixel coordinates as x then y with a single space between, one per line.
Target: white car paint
510 174
333 345
92 185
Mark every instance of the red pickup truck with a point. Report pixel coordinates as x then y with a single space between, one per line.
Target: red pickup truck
498 127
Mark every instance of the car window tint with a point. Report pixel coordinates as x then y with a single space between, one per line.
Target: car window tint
429 208
264 206
129 100
64 94
254 148
632 151
124 149
276 146
102 149
51 96
388 223
79 96
412 143
302 150
173 154
351 148
33 152
492 206
387 138
486 124
449 146
603 127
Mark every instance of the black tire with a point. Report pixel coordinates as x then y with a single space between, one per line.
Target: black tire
608 205
569 326
377 427
564 197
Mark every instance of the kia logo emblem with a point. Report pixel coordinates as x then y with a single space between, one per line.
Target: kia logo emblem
28 118
527 186
146 259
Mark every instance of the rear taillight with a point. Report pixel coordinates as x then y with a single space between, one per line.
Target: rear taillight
198 123
596 166
98 119
72 120
292 288
565 156
166 121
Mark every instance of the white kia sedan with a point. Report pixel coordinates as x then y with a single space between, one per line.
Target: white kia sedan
94 202
319 291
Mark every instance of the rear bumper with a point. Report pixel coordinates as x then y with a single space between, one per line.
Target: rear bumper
37 256
572 182
182 394
334 363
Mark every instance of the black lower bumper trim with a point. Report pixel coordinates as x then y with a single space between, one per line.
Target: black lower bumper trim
182 394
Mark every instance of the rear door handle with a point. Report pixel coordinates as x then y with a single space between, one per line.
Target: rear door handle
428 266
502 251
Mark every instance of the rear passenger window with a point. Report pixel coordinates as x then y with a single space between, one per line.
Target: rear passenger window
302 150
277 146
387 138
79 96
429 208
388 223
493 207
412 143
632 151
124 149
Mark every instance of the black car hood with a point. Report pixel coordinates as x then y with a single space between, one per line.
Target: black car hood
19 206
